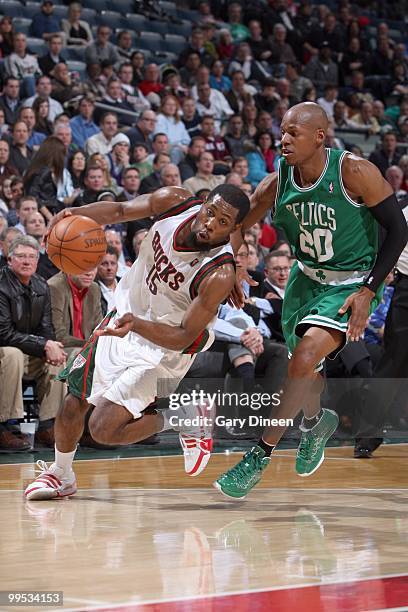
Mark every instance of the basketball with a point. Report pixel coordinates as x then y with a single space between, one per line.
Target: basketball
76 244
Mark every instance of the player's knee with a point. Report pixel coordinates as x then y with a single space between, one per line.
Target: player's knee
72 407
100 427
303 362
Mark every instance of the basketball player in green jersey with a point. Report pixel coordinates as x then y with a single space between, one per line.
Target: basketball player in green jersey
329 203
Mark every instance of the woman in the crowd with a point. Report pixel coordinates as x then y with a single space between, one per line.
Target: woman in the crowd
138 62
76 167
43 175
249 115
76 30
42 123
218 80
6 36
264 142
100 160
169 123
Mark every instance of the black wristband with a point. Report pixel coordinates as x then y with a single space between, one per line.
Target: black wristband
389 215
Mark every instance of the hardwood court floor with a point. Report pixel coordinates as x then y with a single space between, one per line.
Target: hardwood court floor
141 535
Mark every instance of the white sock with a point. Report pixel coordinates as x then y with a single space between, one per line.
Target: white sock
64 460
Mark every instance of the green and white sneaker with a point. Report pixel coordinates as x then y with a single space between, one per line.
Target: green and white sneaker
240 479
310 452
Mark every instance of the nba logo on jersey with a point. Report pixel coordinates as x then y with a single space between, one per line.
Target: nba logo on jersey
331 187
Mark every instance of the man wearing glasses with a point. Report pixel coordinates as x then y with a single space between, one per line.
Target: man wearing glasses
143 130
27 345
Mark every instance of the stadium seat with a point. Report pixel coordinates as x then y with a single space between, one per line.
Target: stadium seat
168 7
31 9
161 27
149 40
121 6
174 43
22 24
112 19
37 46
98 5
137 22
12 8
60 12
183 29
165 57
77 67
74 53
188 15
88 15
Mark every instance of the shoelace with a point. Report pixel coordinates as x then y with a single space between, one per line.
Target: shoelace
240 471
308 448
41 466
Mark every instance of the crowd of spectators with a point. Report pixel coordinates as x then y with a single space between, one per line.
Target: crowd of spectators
130 122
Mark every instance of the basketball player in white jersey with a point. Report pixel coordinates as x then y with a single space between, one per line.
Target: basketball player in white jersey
165 305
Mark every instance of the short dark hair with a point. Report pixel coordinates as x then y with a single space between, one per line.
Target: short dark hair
234 196
111 250
159 134
10 78
156 157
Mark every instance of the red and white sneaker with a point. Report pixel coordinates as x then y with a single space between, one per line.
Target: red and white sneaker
197 453
50 483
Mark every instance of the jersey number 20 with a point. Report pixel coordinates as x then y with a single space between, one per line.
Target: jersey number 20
318 244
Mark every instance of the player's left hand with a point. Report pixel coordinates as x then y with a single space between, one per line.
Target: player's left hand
359 302
123 326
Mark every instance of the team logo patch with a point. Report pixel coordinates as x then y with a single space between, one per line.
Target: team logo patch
79 361
331 187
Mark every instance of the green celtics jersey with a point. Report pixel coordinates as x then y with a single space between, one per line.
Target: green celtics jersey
325 228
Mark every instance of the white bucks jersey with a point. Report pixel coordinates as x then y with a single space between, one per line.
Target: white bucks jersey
165 278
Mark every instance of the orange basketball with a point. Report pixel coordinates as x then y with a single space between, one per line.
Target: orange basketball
76 244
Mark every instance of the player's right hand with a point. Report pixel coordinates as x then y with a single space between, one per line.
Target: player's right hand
123 326
61 215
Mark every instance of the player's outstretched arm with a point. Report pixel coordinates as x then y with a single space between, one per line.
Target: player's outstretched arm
212 292
364 181
148 205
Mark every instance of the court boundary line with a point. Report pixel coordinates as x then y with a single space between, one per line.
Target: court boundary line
232 593
210 489
226 452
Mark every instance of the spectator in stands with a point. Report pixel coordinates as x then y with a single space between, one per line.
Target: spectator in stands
172 83
218 80
20 153
386 123
169 123
160 144
153 181
116 99
7 237
64 133
204 179
232 178
28 342
141 160
213 102
34 225
321 69
45 24
188 167
170 176
6 168
328 100
133 94
281 51
17 189
240 166
235 137
114 239
298 83
258 43
403 129
143 130
76 30
43 89
151 87
277 270
250 115
22 65
76 167
35 138
256 164
82 124
24 207
76 308
190 117
94 181
264 142
332 141
102 49
340 120
48 61
382 57
239 31
399 82
109 183
130 184
10 99
43 175
395 176
107 279
102 141
403 164
6 36
189 70
41 108
124 44
365 119
252 70
240 93
330 33
357 90
213 143
196 45
387 155
63 86
119 156
138 61
354 58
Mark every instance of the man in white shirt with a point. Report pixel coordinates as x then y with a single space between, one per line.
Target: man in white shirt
43 89
102 141
22 65
107 278
213 102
